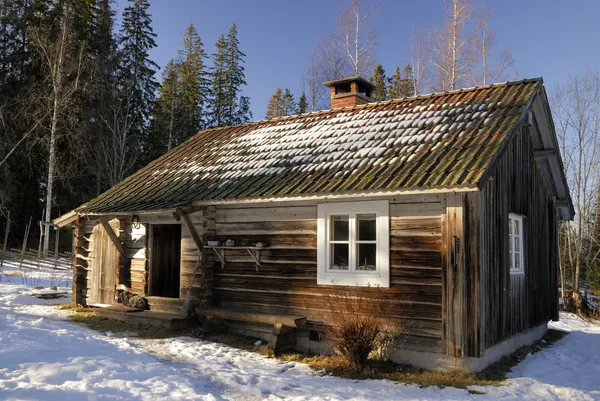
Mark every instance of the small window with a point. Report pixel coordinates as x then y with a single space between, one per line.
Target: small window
515 243
353 243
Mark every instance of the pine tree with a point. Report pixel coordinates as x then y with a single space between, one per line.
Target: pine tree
379 80
228 107
288 104
302 104
194 86
136 69
274 107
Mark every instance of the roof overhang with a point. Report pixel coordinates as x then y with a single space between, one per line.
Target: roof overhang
548 157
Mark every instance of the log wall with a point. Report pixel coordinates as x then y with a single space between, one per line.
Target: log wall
511 304
286 282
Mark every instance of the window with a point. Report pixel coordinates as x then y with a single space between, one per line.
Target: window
515 243
353 243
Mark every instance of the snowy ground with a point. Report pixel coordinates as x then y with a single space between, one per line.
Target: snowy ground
45 357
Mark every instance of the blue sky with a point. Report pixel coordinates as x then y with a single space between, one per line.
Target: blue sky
552 39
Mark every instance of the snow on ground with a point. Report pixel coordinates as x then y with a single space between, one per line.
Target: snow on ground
45 357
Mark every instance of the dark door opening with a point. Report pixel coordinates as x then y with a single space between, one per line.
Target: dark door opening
165 260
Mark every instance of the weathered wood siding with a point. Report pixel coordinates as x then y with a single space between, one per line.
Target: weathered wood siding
287 280
511 304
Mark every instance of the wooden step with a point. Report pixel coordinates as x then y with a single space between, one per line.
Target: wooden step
164 304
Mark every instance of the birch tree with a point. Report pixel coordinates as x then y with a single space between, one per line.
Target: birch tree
487 69
62 70
576 108
450 53
420 53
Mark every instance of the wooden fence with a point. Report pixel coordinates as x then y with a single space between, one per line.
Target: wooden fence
32 259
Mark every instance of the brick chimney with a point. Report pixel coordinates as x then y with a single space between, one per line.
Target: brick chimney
350 91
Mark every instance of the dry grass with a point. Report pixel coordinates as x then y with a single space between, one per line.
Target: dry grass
494 375
334 365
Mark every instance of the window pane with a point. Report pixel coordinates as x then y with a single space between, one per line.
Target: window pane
517 228
366 256
510 243
339 228
517 244
367 227
517 261
339 256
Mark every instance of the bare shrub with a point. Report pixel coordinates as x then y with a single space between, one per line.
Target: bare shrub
359 323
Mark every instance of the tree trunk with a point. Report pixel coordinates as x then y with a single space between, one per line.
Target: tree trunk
50 179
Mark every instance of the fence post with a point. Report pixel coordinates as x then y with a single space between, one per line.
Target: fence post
6 232
56 236
25 243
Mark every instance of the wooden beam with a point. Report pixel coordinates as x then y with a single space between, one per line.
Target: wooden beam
192 230
113 237
544 153
264 318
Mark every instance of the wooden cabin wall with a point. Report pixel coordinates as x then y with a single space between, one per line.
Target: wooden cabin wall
135 275
204 224
511 304
286 282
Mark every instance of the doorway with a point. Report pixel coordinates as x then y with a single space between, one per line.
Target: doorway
165 258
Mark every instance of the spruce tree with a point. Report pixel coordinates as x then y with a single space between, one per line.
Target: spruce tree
302 104
408 87
379 80
218 113
194 85
228 78
168 116
274 107
136 70
288 104
395 85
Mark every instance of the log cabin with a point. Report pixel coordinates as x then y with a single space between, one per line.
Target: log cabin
448 201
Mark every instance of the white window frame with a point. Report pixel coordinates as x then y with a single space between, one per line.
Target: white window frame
512 217
379 277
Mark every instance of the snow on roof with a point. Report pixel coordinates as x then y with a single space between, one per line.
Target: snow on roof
439 140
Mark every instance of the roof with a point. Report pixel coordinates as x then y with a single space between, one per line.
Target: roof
442 140
356 78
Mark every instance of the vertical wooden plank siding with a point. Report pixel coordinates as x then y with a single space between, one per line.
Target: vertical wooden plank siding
204 223
136 242
287 280
515 303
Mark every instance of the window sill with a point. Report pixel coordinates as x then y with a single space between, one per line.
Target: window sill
516 272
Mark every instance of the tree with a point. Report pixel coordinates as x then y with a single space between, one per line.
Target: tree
281 104
576 106
354 38
420 53
228 78
313 79
128 100
482 41
274 107
168 116
380 81
194 85
450 47
288 103
302 104
62 72
136 69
